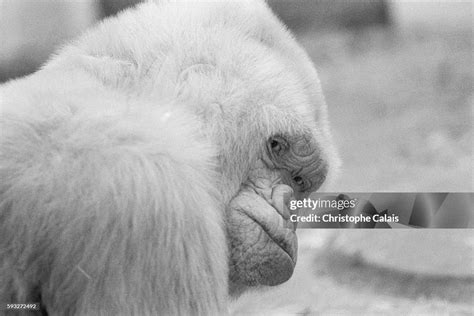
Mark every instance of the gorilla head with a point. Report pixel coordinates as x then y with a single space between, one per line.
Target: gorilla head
263 108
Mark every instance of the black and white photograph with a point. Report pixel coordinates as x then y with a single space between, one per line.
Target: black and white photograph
236 157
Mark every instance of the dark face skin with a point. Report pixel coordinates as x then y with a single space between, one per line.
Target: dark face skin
262 238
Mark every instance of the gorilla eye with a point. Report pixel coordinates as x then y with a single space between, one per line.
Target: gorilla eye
302 183
298 180
277 144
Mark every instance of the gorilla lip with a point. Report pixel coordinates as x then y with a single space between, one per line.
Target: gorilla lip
278 236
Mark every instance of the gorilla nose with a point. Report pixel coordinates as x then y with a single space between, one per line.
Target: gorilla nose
282 194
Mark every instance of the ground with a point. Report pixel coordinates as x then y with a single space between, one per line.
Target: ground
331 281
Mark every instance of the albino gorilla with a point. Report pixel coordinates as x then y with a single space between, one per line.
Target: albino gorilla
146 168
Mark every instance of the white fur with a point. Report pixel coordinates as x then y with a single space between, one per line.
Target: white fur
108 183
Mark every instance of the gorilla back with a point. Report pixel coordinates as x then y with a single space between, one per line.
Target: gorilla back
147 167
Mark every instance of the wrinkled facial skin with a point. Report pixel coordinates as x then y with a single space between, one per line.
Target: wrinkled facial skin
263 243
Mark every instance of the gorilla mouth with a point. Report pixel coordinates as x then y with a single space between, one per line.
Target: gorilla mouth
283 237
263 242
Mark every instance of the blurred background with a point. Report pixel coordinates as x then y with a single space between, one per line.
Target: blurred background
398 80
